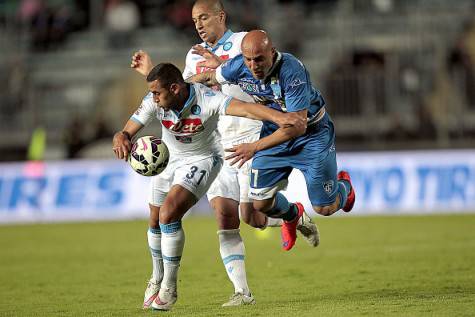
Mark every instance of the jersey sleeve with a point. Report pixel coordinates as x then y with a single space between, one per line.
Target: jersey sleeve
295 83
228 72
146 111
188 71
239 36
215 100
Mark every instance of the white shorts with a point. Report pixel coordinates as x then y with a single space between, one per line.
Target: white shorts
194 175
268 192
233 182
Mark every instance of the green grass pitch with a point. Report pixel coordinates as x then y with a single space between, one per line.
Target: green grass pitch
373 266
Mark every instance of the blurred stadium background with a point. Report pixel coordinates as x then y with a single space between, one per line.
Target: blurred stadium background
398 76
399 80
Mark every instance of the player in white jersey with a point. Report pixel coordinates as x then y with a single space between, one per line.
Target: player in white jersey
189 115
229 192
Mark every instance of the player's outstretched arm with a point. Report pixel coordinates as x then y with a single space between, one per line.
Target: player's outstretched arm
243 152
256 111
141 62
122 141
205 78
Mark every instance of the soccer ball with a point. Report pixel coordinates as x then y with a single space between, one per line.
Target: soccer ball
149 156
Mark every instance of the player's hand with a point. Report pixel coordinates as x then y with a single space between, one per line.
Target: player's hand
141 62
121 146
241 153
211 61
290 119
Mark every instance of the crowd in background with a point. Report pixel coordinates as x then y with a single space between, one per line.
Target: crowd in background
355 78
49 22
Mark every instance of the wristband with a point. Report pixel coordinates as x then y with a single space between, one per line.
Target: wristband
127 134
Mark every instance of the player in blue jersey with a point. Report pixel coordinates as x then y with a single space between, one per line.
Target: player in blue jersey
280 81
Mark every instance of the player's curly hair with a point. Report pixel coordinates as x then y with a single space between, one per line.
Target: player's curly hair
166 74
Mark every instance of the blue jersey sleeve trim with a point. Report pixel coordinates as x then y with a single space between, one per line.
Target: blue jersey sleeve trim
226 103
135 119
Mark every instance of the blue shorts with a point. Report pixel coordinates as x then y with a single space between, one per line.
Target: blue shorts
315 158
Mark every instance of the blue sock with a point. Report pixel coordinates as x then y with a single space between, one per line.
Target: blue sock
283 209
343 190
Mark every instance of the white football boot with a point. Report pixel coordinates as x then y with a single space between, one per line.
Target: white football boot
308 230
151 293
165 299
239 299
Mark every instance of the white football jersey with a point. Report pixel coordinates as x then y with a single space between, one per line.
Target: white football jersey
192 131
232 129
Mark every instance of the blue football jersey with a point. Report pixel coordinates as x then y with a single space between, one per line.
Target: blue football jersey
287 88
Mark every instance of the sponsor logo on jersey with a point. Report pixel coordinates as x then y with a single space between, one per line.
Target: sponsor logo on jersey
227 46
328 186
197 109
249 87
201 69
248 80
297 82
186 125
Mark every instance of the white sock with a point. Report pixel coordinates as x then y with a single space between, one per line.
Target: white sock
154 236
232 251
173 241
274 222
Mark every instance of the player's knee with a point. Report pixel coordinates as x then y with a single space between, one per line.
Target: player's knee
319 210
326 210
169 212
246 218
254 221
154 216
225 216
247 211
226 213
262 205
